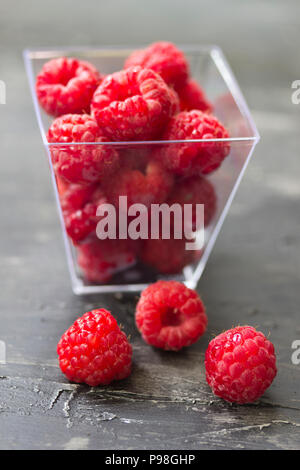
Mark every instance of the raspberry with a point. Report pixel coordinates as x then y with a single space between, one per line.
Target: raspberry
192 96
75 196
80 163
240 364
167 256
195 190
165 59
152 186
133 104
94 350
79 205
170 316
66 85
194 158
101 259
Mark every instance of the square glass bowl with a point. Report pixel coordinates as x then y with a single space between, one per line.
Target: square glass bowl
210 69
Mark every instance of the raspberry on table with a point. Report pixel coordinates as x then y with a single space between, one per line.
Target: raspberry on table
80 163
66 85
194 158
148 187
195 190
192 96
165 59
167 256
170 316
94 350
240 364
133 104
100 260
79 206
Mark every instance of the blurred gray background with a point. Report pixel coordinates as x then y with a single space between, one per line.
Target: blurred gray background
252 276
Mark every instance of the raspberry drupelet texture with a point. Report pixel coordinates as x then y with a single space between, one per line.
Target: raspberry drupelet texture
195 190
66 85
133 104
165 59
199 157
74 196
192 96
80 163
79 205
170 316
99 260
153 185
240 364
94 350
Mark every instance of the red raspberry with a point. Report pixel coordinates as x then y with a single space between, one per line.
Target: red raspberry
133 104
167 256
79 205
165 59
101 259
74 196
195 190
66 85
80 163
170 316
240 364
94 350
152 187
192 96
194 158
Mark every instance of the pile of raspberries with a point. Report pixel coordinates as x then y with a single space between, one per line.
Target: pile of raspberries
240 363
152 99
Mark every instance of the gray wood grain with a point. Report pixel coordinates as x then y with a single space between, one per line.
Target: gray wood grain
252 277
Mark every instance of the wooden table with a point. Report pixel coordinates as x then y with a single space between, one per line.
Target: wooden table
253 276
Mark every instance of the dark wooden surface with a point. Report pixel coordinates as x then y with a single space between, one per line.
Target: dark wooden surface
253 275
